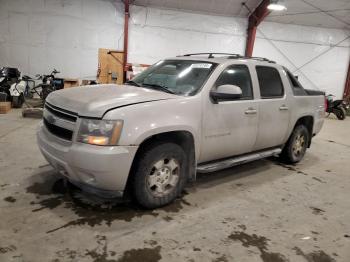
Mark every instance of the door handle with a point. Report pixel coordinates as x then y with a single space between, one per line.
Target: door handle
283 107
250 111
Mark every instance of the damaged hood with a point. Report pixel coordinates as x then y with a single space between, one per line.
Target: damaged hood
94 101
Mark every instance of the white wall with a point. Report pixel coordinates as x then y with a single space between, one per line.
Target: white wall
38 35
155 34
294 46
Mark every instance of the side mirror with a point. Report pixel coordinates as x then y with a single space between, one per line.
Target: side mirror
226 93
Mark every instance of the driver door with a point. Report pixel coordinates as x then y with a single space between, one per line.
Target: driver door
230 127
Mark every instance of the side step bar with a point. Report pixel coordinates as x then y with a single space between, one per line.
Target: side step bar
222 164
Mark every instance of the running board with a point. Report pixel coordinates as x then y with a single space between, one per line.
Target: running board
222 164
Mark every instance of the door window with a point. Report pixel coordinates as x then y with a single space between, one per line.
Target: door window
237 75
270 82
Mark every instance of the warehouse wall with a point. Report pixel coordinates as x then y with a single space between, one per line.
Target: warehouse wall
321 54
38 35
66 35
155 34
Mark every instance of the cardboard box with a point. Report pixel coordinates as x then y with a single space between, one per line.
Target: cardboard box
5 107
68 82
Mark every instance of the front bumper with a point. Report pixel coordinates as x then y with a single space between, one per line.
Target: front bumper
102 170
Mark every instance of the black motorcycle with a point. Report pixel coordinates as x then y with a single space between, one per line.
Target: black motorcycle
49 83
337 107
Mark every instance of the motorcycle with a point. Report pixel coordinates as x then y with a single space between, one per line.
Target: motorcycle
337 107
11 87
49 83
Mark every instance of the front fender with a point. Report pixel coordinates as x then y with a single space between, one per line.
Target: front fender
142 121
164 129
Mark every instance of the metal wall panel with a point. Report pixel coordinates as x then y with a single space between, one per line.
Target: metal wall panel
158 33
321 54
41 35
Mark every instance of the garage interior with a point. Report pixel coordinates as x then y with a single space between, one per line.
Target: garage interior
260 211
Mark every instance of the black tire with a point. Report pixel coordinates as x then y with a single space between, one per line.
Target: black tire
145 169
294 150
45 92
340 113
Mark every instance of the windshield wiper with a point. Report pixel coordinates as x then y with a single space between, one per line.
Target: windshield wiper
133 83
158 87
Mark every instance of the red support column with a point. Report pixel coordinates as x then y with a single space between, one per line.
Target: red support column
254 20
126 36
250 41
347 85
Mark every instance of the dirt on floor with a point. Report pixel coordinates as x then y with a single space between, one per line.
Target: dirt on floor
261 211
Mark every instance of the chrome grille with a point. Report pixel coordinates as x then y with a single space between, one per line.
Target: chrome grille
65 114
59 122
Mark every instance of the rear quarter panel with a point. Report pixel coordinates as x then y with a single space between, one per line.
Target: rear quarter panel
308 106
300 106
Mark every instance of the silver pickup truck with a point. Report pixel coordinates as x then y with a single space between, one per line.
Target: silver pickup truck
181 116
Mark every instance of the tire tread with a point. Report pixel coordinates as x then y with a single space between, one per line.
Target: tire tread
149 154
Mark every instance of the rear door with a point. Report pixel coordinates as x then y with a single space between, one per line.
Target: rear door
274 108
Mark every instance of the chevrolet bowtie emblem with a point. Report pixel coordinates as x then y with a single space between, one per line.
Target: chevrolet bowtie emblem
51 119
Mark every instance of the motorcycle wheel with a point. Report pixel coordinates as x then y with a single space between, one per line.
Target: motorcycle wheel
46 92
17 101
340 113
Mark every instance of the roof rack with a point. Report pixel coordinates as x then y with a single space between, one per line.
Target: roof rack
261 59
211 55
233 56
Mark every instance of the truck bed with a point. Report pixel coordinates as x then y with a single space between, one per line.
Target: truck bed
312 92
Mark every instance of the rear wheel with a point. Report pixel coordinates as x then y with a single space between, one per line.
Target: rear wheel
160 175
296 146
17 101
340 113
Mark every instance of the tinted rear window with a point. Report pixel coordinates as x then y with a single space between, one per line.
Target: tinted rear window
270 82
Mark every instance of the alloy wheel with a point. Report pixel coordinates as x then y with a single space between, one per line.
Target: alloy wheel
164 177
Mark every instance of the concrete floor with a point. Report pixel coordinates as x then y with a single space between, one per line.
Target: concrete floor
262 211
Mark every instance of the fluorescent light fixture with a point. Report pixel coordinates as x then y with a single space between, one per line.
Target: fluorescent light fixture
276 5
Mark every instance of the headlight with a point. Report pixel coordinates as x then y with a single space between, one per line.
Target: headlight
100 132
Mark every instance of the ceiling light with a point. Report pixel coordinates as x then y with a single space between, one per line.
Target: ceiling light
276 5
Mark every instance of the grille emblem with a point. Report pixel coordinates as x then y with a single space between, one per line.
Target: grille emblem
51 119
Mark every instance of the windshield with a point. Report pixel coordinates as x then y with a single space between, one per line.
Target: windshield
181 77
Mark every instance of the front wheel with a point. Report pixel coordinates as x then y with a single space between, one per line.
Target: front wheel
340 113
46 91
160 175
296 146
17 101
